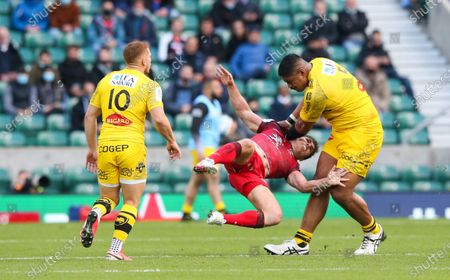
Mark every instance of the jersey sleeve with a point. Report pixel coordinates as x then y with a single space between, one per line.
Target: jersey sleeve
95 98
155 97
266 124
314 103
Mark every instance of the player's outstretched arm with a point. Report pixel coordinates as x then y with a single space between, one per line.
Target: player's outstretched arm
335 178
90 129
251 120
162 124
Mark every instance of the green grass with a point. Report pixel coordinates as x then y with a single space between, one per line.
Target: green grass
198 251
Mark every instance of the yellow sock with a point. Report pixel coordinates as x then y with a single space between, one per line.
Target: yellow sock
187 208
105 205
302 236
220 206
124 222
371 227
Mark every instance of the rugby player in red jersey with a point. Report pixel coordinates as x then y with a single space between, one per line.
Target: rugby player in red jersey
266 155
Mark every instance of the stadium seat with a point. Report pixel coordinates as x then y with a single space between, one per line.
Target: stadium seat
186 6
88 7
177 173
5 8
428 186
416 173
16 37
282 36
158 188
401 103
337 53
191 22
367 186
5 20
265 103
27 55
38 40
34 123
390 137
5 181
267 37
379 173
77 175
335 6
352 53
241 86
261 88
182 137
77 139
273 73
12 139
117 55
85 21
274 6
447 186
421 138
285 187
86 188
183 122
441 173
70 39
308 172
305 6
52 138
55 174
58 122
299 20
87 55
161 23
321 135
5 120
161 70
387 119
225 35
392 186
409 119
204 7
277 21
396 87
154 175
154 139
58 55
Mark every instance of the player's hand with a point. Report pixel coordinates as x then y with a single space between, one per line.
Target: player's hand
224 76
91 161
174 150
335 176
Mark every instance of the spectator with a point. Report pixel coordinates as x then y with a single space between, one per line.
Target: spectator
79 110
251 13
163 8
315 48
30 15
106 30
179 96
374 47
103 66
19 94
224 12
238 37
171 44
283 104
210 42
122 7
321 26
49 93
193 57
72 71
249 60
375 82
138 25
10 60
44 61
209 73
65 19
352 24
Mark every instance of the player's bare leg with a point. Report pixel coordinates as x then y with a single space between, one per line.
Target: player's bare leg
214 192
125 220
190 193
109 198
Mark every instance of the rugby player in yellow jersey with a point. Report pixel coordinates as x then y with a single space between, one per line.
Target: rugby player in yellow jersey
123 98
355 140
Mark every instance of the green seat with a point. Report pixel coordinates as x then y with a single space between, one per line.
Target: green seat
54 173
367 186
335 6
274 6
154 175
416 173
177 174
183 122
158 188
186 6
421 138
204 7
27 55
58 122
299 20
182 137
191 22
86 188
70 39
285 187
273 73
16 37
161 23
154 139
282 36
387 120
441 173
225 35
308 172
396 87
428 186
5 181
353 53
379 173
261 88
392 186
117 56
38 40
401 103
161 70
321 135
34 123
305 6
5 21
409 119
277 21
88 7
5 120
52 138
390 137
12 139
77 139
58 55
5 8
241 86
87 55
267 37
78 175
265 103
350 66
85 21
447 186
337 53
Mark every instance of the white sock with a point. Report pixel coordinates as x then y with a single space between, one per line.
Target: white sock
99 213
116 245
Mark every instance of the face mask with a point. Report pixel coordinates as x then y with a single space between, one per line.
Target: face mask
65 2
107 12
48 76
22 79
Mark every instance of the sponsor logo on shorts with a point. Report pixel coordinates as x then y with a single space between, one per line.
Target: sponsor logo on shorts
113 148
354 159
140 167
127 172
119 120
102 175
